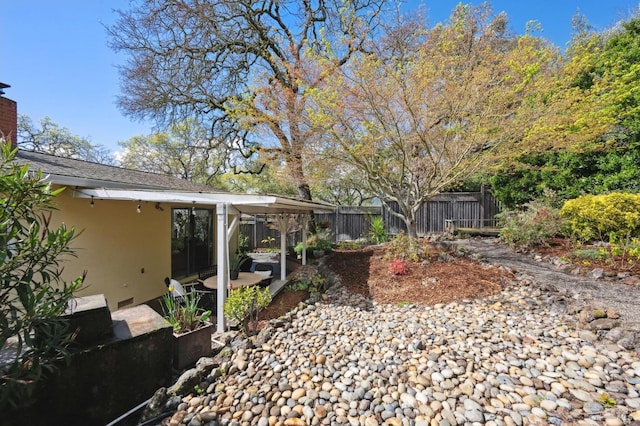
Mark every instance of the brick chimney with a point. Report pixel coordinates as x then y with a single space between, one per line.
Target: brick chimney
8 117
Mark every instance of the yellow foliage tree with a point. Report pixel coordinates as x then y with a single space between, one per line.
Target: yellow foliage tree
429 107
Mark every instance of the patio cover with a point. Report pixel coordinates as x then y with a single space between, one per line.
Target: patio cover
226 204
242 203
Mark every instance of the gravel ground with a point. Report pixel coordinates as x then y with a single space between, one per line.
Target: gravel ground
624 299
515 358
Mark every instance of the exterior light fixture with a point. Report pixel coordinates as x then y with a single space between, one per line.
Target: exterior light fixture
138 208
92 203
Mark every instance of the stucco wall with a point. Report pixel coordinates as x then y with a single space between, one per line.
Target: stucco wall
126 254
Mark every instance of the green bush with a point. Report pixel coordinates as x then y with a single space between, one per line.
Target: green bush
313 284
603 217
245 303
533 226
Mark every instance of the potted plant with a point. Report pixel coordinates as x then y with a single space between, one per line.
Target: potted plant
235 262
191 327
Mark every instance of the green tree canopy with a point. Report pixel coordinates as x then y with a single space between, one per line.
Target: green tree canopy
605 67
50 138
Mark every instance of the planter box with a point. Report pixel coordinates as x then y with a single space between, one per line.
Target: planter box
190 347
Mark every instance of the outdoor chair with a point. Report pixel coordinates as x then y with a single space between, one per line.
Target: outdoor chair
207 297
208 272
265 270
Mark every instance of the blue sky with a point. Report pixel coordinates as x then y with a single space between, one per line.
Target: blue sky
55 58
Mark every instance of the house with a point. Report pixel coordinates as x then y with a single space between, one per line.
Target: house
138 227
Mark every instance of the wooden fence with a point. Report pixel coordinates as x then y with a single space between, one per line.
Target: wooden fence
465 209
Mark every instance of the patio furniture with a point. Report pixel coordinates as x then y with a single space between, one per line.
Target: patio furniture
245 279
207 297
265 270
209 271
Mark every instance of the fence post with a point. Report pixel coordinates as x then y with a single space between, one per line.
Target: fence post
482 199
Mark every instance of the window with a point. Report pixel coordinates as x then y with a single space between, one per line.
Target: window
192 240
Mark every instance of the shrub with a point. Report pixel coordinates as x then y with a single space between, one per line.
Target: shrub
349 245
398 267
533 226
245 303
602 217
403 246
377 230
33 295
313 284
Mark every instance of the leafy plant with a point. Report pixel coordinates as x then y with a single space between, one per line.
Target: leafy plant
185 315
198 390
625 252
33 295
403 246
244 304
533 226
301 285
606 400
377 230
269 240
398 267
243 244
314 284
237 260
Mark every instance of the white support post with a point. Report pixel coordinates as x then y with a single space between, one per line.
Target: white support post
283 222
223 262
235 221
305 225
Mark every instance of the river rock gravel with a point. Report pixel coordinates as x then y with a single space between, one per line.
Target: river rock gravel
511 359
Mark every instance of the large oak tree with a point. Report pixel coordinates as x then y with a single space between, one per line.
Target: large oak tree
242 66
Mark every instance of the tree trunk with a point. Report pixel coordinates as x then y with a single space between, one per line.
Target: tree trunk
304 191
412 227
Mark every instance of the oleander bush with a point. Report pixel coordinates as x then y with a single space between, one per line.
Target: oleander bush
603 217
33 294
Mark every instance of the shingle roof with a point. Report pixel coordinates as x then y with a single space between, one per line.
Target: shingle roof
68 171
